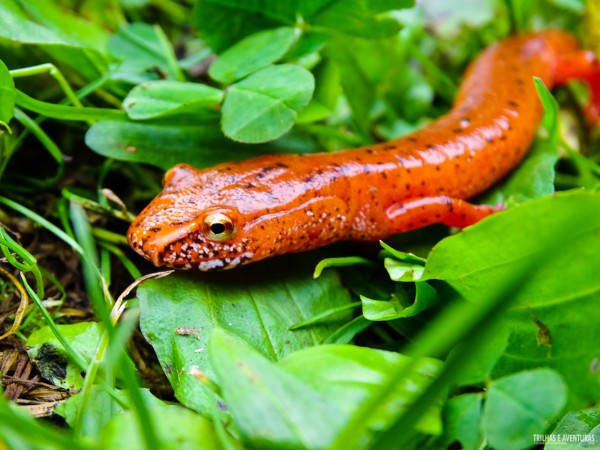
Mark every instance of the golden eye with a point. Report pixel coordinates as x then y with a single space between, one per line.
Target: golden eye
218 227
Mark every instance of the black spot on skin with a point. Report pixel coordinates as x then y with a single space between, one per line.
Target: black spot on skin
155 229
489 139
280 164
411 139
407 186
438 168
249 186
369 151
513 104
503 137
457 130
384 175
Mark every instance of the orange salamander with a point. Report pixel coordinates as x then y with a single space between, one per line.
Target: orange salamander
240 212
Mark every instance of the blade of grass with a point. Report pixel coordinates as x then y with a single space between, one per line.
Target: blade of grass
43 222
33 127
33 433
94 282
68 112
73 354
462 322
346 332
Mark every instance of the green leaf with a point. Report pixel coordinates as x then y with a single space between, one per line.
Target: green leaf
159 98
176 427
276 9
7 95
223 23
482 363
164 145
361 17
345 261
521 405
258 303
51 358
72 26
275 404
251 54
576 430
65 37
263 106
378 310
17 27
558 305
271 408
346 375
144 53
462 421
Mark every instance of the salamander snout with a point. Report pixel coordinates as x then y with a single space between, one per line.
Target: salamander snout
210 240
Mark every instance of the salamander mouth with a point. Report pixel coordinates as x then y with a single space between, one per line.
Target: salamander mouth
186 248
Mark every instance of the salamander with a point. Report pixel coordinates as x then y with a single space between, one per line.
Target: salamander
240 212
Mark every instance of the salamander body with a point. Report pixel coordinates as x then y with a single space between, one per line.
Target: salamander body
235 213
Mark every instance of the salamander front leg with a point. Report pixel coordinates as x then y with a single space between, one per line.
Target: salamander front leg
429 210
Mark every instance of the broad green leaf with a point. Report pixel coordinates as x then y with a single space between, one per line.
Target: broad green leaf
16 26
403 271
263 106
164 146
462 421
558 304
221 24
346 375
101 407
396 308
521 405
276 9
176 427
271 408
144 54
159 98
83 32
576 430
251 54
482 363
7 95
79 47
361 17
258 303
360 91
50 357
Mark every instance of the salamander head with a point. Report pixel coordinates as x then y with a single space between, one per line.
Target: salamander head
194 223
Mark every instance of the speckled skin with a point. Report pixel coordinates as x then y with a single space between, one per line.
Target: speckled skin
289 203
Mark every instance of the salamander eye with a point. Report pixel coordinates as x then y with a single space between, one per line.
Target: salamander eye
218 227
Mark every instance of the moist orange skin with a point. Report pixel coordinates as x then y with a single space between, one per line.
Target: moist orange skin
290 203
